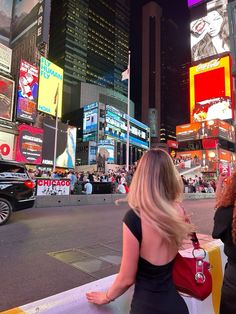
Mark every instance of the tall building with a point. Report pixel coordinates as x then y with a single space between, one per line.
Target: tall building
90 40
151 67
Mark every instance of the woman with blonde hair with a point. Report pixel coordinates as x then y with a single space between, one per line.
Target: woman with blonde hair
225 229
153 232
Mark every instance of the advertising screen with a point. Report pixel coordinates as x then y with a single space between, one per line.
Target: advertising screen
210 32
106 148
211 90
90 122
206 129
24 16
6 98
7 145
5 58
29 145
5 18
27 92
50 88
66 144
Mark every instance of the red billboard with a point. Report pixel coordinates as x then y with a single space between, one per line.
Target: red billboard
211 94
29 145
6 98
27 92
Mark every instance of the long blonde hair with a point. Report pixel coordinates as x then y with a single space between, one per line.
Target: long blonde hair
155 187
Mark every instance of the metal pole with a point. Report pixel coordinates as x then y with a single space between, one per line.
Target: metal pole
55 138
128 114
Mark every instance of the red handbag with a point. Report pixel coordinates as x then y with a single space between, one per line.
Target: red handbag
191 275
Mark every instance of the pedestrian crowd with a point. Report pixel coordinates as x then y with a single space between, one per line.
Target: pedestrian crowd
198 185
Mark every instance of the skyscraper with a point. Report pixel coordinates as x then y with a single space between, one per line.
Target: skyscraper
90 40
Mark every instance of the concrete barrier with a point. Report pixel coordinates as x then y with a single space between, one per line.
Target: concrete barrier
77 200
74 301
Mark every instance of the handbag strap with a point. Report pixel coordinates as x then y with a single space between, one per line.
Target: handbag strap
195 241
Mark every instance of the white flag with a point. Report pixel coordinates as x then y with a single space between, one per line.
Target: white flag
125 75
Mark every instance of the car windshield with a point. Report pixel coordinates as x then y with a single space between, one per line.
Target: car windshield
13 171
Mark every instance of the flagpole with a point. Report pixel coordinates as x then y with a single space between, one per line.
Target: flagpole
128 114
55 138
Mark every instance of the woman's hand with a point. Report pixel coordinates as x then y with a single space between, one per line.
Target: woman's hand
97 297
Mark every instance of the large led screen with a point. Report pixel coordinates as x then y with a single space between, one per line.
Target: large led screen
6 98
90 122
27 92
50 88
24 16
7 141
66 144
5 18
106 149
29 145
211 91
210 32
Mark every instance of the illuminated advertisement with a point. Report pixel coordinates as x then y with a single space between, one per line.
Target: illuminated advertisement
106 148
24 16
152 118
6 98
7 145
210 33
53 187
66 144
211 90
27 92
29 145
50 88
206 129
90 122
116 127
5 58
5 18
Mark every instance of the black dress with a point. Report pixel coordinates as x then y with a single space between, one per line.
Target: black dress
154 291
222 230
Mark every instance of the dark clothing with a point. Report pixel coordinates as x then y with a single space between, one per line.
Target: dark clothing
154 291
222 230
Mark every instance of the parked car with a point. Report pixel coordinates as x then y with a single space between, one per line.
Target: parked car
17 190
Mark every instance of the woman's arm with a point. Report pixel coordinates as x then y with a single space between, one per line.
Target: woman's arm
127 273
219 185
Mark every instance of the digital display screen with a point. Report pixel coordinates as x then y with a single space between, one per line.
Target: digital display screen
6 98
211 91
106 149
90 122
27 92
210 32
29 145
50 88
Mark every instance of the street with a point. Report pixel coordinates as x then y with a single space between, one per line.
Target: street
45 251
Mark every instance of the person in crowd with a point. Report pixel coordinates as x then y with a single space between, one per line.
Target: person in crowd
88 187
225 229
126 188
90 177
121 188
73 180
153 231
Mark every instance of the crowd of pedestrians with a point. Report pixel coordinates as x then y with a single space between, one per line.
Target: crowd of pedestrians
198 185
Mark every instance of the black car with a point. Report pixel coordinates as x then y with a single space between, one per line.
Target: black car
17 190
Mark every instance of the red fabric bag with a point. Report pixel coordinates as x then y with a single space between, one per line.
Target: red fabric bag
191 275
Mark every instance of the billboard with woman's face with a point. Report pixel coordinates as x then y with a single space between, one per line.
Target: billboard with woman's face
210 32
6 98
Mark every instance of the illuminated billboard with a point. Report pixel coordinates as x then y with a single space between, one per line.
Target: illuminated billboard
66 144
5 18
90 122
7 145
5 58
24 16
205 129
6 98
29 145
106 149
211 90
27 92
210 31
50 88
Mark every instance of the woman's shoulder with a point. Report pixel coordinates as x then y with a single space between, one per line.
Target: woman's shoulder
133 222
